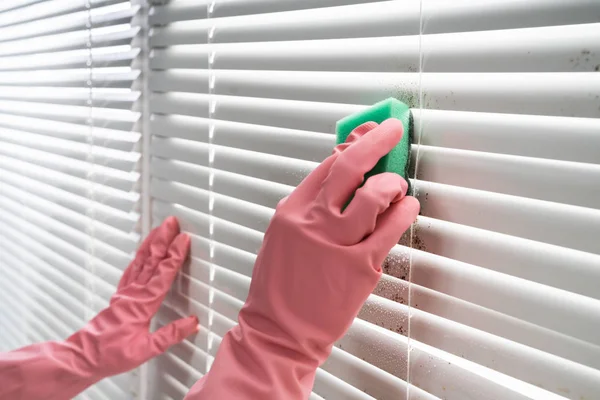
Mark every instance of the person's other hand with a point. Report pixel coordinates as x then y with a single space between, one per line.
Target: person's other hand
118 338
318 264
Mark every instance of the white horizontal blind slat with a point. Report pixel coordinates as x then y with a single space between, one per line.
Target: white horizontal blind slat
78 20
189 9
105 36
553 51
387 18
530 90
69 133
109 138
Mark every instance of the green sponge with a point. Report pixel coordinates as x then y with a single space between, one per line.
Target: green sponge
397 160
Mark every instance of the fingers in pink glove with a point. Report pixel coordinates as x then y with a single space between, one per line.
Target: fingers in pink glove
167 270
159 247
311 185
391 224
371 200
349 169
138 262
356 134
171 334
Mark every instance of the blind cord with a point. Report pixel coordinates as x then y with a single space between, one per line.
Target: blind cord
417 133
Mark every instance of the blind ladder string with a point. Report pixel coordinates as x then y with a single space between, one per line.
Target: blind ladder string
211 177
89 263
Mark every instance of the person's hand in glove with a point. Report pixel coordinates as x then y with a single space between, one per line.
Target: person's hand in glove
116 340
318 264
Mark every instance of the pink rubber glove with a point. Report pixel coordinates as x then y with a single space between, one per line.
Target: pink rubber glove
116 340
316 268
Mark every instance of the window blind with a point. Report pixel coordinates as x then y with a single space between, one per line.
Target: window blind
493 293
68 166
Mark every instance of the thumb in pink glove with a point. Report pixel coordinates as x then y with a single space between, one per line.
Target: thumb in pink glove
116 340
317 266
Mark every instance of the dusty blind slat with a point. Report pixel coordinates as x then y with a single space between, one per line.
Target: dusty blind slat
499 273
68 166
